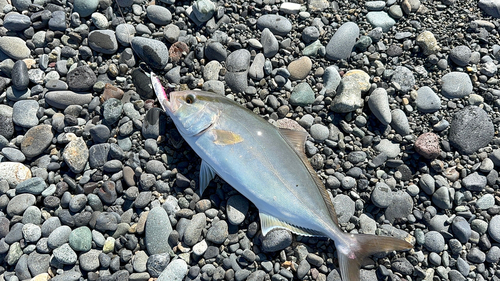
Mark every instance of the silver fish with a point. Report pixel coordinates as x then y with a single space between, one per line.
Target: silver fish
268 166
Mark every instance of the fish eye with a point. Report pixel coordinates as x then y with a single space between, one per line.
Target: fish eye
190 99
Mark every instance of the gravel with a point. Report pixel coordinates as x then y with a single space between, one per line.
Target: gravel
97 184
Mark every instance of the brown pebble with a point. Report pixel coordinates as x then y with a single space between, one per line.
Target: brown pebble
176 51
299 69
111 91
427 145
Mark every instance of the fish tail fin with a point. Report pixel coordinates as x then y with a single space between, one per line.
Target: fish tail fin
355 247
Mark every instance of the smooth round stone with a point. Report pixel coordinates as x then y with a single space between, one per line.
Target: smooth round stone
19 203
211 70
157 231
103 41
24 113
238 61
434 241
57 22
277 24
340 45
302 95
461 55
474 182
153 52
427 100
215 51
77 203
35 186
125 33
36 140
13 154
344 206
76 154
100 21
80 239
471 129
300 68
98 155
379 105
475 255
392 150
14 173
85 7
442 198
270 45
382 195
494 228
319 132
194 228
276 240
331 79
100 133
404 78
310 34
19 74
62 99
14 47
493 255
171 32
400 122
175 271
237 208
158 14
380 19
456 85
112 110
218 232
31 232
375 5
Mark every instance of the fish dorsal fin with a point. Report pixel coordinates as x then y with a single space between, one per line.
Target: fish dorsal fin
269 223
207 173
297 140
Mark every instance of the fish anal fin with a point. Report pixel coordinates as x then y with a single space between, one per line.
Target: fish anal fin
269 223
207 173
297 140
223 137
360 246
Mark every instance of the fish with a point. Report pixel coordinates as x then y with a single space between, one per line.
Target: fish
268 166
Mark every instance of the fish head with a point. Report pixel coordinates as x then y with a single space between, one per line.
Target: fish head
193 112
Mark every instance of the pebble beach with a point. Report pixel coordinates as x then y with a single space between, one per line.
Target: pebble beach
401 100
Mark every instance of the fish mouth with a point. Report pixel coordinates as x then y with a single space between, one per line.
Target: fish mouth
164 97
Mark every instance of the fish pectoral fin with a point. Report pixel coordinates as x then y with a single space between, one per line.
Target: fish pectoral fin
268 223
207 173
224 137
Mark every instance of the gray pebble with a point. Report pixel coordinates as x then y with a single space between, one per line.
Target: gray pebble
404 78
151 51
474 182
379 105
456 85
427 100
237 208
35 186
470 130
344 206
341 44
381 195
319 132
270 45
380 19
494 228
434 241
218 232
59 236
276 240
176 270
65 255
277 24
158 14
24 113
461 229
461 55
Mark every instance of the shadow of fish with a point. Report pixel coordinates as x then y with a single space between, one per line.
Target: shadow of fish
268 166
